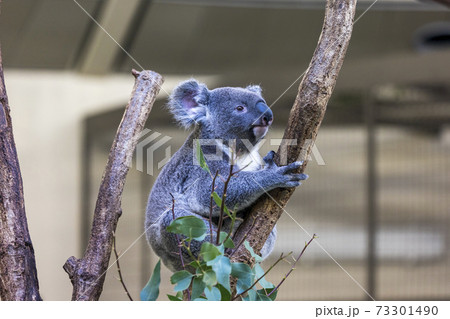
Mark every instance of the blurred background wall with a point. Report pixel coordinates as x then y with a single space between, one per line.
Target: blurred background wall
377 196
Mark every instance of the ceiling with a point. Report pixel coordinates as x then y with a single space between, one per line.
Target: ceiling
254 41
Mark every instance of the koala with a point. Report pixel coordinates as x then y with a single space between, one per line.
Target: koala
233 120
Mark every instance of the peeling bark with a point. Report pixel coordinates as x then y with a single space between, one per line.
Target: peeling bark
304 120
18 275
88 273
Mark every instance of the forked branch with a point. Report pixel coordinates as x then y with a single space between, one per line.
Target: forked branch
88 273
304 120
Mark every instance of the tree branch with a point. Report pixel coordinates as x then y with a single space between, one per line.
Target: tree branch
88 273
18 275
305 118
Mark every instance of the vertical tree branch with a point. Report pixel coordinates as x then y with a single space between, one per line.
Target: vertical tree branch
88 273
18 275
305 118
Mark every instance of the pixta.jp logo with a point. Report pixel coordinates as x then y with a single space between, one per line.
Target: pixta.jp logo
149 149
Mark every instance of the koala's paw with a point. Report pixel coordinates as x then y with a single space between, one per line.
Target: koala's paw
287 176
269 159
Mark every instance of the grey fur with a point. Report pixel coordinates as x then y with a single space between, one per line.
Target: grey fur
224 114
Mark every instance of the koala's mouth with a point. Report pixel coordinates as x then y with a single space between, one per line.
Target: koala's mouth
260 130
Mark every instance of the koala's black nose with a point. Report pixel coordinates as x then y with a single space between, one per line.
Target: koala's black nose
267 115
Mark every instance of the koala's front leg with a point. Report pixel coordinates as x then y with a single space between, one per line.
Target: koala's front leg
247 186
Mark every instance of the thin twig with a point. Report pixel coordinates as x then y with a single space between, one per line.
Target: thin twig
222 206
179 243
242 240
211 206
271 267
241 169
176 235
118 268
293 266
233 221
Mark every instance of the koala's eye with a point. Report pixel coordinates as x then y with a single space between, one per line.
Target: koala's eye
240 108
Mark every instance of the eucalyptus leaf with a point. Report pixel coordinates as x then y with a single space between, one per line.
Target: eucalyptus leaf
209 251
201 158
259 272
257 257
151 289
273 296
224 293
262 296
181 280
244 274
190 226
252 295
209 278
228 243
222 267
174 298
242 285
213 294
218 201
197 287
242 271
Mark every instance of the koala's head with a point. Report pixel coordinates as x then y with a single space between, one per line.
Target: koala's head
224 113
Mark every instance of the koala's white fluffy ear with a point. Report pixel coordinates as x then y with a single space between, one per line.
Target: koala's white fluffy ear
188 103
255 88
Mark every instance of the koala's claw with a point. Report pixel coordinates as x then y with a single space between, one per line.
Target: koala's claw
268 159
299 177
291 167
290 178
292 184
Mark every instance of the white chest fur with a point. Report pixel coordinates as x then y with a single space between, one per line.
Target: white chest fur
250 161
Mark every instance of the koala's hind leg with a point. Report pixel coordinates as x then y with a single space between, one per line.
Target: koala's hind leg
166 245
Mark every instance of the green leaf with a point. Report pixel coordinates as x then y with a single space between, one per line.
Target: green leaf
201 299
197 287
228 243
213 294
209 251
252 295
257 257
209 278
218 201
151 289
174 298
181 280
190 226
201 158
222 267
194 264
244 274
259 272
262 296
242 271
268 291
225 293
